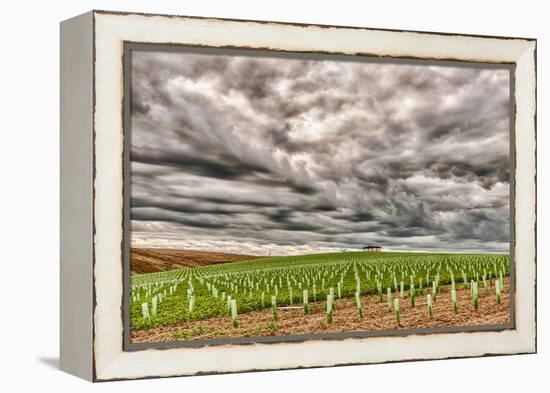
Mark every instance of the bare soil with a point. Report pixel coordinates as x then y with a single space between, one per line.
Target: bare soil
150 260
345 318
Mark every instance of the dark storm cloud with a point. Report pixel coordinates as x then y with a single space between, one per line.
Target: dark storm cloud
251 154
196 163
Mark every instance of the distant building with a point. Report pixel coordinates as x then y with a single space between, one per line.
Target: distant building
372 248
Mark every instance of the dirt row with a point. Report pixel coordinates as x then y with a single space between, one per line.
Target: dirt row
345 318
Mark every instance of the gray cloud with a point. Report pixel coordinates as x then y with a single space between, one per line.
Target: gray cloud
251 154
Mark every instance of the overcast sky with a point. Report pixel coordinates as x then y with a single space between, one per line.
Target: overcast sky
256 155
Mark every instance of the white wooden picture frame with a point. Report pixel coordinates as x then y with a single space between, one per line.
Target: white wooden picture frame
92 195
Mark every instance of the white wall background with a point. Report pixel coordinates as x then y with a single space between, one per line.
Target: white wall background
29 194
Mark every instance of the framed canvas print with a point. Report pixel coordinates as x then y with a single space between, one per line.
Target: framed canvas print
245 195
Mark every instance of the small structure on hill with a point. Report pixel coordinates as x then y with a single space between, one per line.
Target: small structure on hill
372 248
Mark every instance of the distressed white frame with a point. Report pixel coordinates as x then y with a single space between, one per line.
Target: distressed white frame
111 30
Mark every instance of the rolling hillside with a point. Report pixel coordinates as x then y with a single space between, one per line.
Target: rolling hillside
151 260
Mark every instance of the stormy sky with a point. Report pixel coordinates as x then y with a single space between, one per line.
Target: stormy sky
259 155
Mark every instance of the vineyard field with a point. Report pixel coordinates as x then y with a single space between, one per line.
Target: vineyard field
317 281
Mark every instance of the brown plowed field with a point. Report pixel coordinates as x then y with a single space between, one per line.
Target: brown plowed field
150 260
345 318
